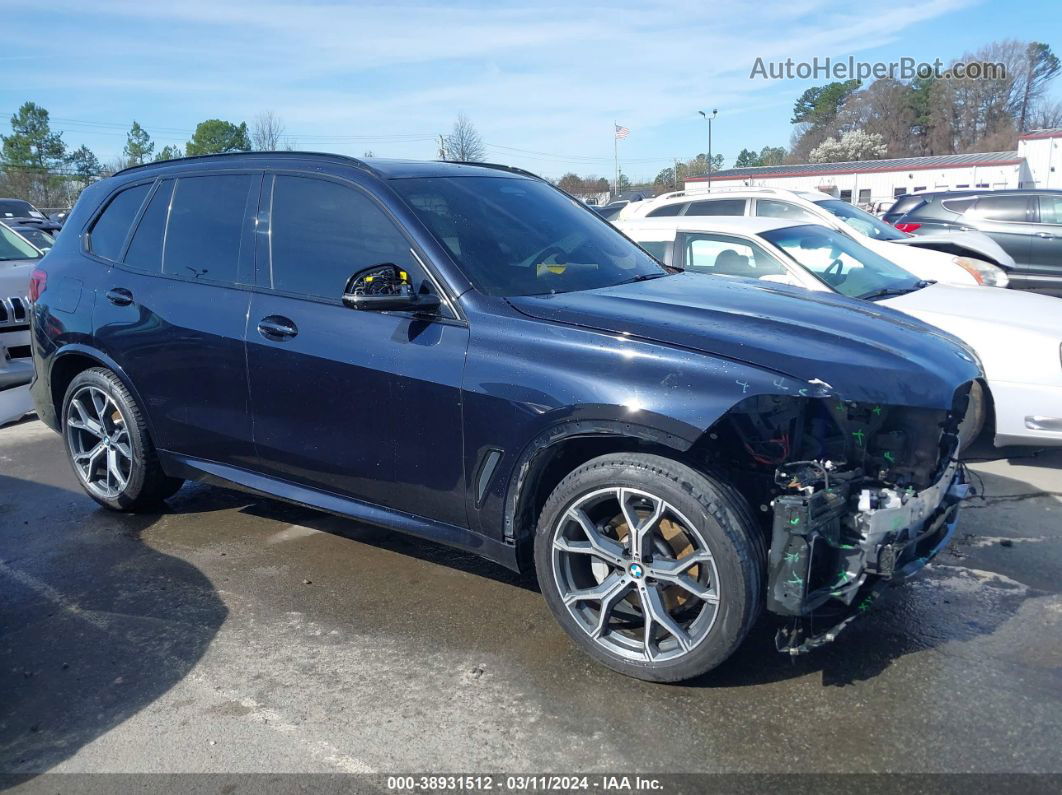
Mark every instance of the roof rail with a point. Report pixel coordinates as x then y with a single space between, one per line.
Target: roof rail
496 166
194 158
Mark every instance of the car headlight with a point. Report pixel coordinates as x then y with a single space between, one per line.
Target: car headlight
985 273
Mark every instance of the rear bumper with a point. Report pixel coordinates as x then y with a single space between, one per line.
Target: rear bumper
893 543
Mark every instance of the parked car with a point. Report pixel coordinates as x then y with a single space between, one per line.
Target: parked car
37 237
18 211
968 259
1017 335
1025 223
467 354
610 211
17 261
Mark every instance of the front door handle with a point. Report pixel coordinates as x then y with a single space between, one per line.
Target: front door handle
277 328
119 296
1045 235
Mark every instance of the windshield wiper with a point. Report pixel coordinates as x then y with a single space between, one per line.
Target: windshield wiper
886 292
643 277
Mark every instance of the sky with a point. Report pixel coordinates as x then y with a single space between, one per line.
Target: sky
542 82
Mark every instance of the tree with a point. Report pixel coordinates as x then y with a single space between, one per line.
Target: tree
463 142
84 164
819 105
571 183
268 131
624 182
747 159
168 153
215 136
35 152
138 145
772 155
855 145
1042 66
666 178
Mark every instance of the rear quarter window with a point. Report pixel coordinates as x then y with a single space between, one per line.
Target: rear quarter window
666 210
108 234
958 206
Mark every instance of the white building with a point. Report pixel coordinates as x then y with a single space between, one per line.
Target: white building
1037 163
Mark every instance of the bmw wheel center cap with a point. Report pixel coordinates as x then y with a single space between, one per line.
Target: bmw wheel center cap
636 570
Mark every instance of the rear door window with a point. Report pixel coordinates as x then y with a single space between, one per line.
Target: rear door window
322 233
108 234
205 231
145 249
1001 208
717 207
1051 209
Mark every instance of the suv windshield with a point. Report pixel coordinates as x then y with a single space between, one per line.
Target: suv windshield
842 263
16 208
524 237
14 246
860 220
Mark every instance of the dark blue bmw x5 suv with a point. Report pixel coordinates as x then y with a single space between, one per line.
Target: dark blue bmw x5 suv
465 353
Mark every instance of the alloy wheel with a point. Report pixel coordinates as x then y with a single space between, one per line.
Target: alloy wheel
98 438
635 574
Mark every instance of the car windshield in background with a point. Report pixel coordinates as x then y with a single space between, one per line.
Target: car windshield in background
848 267
523 237
37 237
13 246
862 221
15 208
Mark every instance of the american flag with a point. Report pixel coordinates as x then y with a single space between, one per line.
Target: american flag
621 132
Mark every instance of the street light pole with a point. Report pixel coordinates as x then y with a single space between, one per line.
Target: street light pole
708 118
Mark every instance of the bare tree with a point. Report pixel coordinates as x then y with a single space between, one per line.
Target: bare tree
1047 116
464 143
268 132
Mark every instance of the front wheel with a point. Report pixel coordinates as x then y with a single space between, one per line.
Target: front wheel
109 446
653 568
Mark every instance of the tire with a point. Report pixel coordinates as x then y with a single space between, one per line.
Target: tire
586 560
108 444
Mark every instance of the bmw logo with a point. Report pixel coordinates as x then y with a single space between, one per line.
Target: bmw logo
636 571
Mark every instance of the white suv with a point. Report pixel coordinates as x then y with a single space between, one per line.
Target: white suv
963 258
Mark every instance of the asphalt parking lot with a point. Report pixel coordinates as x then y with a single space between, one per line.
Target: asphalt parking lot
238 634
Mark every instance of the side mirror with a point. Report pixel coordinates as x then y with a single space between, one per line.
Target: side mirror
386 287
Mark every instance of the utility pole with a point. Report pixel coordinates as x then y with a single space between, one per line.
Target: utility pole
442 148
709 120
615 154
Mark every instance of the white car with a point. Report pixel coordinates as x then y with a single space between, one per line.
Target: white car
18 258
1017 335
954 258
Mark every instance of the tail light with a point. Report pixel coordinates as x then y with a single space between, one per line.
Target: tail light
906 226
37 285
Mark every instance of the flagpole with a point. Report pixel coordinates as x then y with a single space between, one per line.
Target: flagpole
615 151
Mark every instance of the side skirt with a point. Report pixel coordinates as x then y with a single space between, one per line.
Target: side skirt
370 513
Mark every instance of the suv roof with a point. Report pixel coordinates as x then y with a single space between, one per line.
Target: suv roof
380 167
744 224
642 209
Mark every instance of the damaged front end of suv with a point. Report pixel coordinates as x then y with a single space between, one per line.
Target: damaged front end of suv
853 496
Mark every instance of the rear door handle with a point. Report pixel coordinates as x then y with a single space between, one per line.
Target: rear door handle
119 296
1045 235
277 327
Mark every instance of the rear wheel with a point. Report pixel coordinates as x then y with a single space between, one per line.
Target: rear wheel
653 568
109 445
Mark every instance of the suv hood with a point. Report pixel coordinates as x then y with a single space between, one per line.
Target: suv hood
963 244
863 351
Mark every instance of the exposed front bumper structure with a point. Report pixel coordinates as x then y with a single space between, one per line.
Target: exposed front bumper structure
827 558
